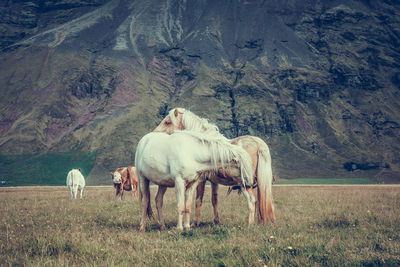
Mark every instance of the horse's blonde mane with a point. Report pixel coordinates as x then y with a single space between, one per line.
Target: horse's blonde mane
223 153
192 122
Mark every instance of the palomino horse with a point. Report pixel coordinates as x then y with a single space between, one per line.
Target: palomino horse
75 182
124 179
181 119
180 160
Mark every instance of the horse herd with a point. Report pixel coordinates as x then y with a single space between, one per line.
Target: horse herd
184 151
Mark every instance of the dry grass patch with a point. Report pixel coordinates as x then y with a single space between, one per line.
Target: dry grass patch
316 225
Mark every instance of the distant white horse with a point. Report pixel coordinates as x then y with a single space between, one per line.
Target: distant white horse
179 119
75 182
180 160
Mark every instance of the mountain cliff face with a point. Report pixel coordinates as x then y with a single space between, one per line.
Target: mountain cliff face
319 81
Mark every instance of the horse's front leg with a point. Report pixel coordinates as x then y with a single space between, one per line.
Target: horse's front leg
199 201
251 203
121 193
214 200
159 205
75 192
122 190
145 189
116 191
180 201
81 192
188 203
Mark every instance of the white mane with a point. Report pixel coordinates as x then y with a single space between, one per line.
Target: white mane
192 122
222 152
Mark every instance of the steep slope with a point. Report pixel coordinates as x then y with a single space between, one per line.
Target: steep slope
318 81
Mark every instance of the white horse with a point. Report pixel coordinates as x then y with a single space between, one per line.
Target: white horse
75 182
181 119
180 160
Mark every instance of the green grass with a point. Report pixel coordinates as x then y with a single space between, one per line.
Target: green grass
327 181
316 226
46 169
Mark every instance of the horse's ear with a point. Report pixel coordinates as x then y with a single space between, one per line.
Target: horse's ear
176 112
80 169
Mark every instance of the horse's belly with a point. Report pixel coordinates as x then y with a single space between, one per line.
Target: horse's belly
228 177
164 182
156 171
223 180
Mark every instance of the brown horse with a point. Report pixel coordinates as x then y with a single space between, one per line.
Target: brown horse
181 119
124 179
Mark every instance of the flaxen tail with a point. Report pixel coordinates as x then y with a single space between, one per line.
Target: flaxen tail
264 190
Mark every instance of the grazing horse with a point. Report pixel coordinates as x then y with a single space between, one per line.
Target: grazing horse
124 179
180 119
179 160
75 182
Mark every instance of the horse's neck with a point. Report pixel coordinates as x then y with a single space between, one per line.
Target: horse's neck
192 122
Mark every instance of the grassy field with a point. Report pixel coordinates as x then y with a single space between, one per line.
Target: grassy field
328 181
316 226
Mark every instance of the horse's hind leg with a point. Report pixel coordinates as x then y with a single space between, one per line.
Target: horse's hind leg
180 201
159 205
251 201
199 201
214 200
81 192
188 203
145 189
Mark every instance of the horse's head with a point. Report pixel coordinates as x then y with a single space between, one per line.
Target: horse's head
116 177
172 122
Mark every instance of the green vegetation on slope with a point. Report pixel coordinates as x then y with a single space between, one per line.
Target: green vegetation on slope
46 169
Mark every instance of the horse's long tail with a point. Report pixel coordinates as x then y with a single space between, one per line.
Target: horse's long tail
264 189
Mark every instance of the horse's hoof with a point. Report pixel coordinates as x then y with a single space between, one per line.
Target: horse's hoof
194 224
216 221
162 227
179 228
142 229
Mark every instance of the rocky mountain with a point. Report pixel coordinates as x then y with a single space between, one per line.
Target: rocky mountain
319 81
